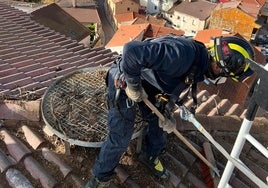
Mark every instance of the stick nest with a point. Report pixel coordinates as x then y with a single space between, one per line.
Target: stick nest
75 106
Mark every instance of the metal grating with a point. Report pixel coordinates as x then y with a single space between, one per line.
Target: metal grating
74 107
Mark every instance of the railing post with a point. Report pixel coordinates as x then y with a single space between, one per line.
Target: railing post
259 98
238 146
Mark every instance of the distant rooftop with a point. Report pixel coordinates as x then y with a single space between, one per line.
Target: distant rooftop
32 56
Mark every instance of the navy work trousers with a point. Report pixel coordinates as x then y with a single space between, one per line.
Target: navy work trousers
121 127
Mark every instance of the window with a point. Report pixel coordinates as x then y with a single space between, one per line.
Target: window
128 9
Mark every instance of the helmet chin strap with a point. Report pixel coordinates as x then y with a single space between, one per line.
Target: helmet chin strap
217 81
210 73
211 76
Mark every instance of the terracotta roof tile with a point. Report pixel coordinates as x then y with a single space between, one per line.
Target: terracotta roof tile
17 179
221 108
84 15
33 139
50 156
205 36
34 51
31 147
158 31
127 33
5 162
15 147
54 16
124 17
39 173
235 109
181 172
139 32
250 7
150 19
199 9
45 77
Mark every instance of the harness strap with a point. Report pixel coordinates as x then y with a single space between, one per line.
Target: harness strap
194 96
189 81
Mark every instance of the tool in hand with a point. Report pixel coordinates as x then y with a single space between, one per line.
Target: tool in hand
181 137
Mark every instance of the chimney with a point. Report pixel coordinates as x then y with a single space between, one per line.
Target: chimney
74 3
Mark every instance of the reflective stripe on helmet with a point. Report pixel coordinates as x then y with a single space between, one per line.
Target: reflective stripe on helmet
224 47
240 49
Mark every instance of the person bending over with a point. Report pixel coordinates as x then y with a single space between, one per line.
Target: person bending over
166 65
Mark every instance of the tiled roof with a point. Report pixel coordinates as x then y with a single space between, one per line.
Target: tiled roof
158 31
251 7
229 4
139 19
125 17
126 33
118 1
199 9
26 153
54 17
150 19
205 36
261 2
32 55
84 15
264 9
71 3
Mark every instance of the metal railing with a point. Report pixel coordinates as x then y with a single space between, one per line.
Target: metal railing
258 99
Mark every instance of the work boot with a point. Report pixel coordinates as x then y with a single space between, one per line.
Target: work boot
155 166
95 183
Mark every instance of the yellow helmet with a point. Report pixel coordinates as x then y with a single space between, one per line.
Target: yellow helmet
230 53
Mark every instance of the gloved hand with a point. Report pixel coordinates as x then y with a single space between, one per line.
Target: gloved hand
168 125
135 92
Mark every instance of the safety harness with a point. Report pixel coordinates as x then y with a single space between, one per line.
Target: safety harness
188 85
187 82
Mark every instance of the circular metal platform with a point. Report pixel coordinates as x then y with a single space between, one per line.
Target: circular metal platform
74 108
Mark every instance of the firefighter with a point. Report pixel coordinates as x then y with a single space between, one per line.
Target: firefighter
166 65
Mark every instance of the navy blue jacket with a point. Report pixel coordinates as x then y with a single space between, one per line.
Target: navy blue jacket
164 62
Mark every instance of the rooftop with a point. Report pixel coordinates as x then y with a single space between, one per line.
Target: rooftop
32 57
199 8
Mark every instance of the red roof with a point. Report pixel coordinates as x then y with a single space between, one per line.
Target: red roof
158 31
124 17
205 36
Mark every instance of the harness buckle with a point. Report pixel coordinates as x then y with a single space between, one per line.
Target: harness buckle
189 80
130 103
